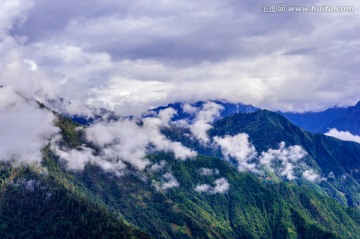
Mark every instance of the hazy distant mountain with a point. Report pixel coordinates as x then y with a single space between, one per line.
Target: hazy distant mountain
350 121
342 119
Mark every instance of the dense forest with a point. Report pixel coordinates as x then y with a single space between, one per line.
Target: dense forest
48 201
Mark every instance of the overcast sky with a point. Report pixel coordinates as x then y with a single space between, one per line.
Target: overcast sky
129 55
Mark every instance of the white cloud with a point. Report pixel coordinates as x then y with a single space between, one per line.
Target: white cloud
203 188
153 126
343 135
287 156
16 73
311 175
158 166
203 120
208 171
168 182
239 148
125 95
32 64
133 55
25 129
221 185
123 142
189 109
76 160
128 56
13 12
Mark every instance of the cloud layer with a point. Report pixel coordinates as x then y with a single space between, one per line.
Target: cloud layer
283 162
343 135
133 55
124 143
24 128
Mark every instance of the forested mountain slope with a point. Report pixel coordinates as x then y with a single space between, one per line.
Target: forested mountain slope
203 197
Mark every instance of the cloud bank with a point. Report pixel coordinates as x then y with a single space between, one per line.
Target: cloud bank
133 55
284 161
25 129
343 135
124 143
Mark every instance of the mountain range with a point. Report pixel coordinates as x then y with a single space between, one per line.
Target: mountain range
255 174
186 112
342 119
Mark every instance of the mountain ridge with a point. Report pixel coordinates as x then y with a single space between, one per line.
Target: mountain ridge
207 198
